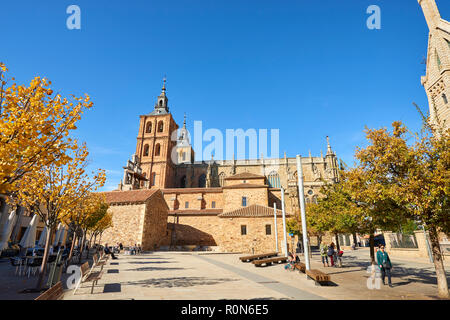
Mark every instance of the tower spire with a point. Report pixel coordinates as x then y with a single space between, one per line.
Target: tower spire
431 12
329 151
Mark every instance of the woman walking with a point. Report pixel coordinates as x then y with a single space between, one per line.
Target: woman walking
385 265
323 253
330 253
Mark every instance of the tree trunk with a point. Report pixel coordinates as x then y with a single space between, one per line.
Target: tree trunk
82 245
438 264
74 238
338 246
43 268
372 247
95 239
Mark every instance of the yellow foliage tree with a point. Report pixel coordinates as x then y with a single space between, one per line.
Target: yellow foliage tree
34 128
53 191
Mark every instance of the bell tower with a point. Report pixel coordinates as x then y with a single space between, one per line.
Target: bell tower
437 79
154 143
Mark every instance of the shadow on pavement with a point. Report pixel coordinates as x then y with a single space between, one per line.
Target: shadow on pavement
154 269
177 282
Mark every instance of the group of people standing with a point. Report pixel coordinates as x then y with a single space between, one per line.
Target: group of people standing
330 252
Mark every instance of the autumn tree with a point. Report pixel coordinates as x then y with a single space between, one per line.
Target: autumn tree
412 177
334 212
53 191
34 128
83 213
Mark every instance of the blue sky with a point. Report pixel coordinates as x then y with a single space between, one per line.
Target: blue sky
308 68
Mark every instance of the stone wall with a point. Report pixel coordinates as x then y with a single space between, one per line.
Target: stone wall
230 239
233 197
128 222
155 222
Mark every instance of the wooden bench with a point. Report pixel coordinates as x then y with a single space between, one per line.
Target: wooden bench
318 276
54 293
269 261
258 256
98 262
300 267
87 275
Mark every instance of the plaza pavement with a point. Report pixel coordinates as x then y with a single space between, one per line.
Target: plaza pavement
212 276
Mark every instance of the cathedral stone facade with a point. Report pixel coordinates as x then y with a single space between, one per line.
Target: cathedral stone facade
437 79
226 204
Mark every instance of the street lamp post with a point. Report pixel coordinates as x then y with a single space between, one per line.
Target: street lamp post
301 197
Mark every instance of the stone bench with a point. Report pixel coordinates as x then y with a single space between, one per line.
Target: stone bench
269 261
258 256
300 267
318 276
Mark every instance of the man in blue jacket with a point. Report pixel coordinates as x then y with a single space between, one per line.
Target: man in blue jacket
385 265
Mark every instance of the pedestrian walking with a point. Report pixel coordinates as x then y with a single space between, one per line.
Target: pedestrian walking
324 253
384 262
330 253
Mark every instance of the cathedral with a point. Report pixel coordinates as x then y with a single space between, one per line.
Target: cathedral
437 79
226 204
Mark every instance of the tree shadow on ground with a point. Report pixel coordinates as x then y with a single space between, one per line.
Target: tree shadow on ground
153 269
148 262
177 282
406 275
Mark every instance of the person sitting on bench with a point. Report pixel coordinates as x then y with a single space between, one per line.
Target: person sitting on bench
107 251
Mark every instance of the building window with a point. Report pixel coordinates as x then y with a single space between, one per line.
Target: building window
444 96
149 127
186 205
314 199
244 201
213 204
157 149
202 181
146 150
183 182
184 156
160 126
268 229
221 179
274 180
153 178
438 59
243 230
160 103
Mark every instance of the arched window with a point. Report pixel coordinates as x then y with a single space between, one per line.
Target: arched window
444 96
184 156
153 178
183 182
149 127
202 181
314 199
146 150
274 180
157 149
160 126
160 103
222 179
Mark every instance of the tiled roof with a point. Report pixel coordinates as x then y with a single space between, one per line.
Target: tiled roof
191 190
245 175
131 196
253 210
245 185
196 212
